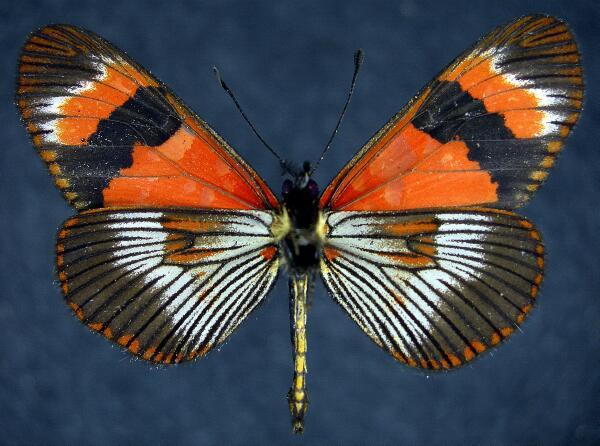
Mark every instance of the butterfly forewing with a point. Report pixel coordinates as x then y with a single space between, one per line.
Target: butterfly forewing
485 131
168 285
113 135
434 288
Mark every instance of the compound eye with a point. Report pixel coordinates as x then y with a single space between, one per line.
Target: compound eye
313 188
286 188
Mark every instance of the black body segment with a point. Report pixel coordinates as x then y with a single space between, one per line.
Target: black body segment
301 245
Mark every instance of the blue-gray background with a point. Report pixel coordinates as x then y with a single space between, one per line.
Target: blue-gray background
290 63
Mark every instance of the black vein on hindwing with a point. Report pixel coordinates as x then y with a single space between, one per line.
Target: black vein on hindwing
353 278
422 330
171 337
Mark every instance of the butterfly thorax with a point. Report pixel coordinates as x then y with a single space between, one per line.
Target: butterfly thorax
301 242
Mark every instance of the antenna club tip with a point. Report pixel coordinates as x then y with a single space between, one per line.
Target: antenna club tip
217 74
359 56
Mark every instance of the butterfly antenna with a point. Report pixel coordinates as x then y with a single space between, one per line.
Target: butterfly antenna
282 162
358 60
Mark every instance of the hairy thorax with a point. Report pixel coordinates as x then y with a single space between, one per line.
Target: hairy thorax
300 227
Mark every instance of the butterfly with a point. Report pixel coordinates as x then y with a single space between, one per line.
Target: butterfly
177 240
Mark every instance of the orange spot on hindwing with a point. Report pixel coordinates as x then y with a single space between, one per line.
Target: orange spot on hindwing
269 252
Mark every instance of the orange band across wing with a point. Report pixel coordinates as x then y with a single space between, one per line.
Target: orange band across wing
483 132
113 135
418 172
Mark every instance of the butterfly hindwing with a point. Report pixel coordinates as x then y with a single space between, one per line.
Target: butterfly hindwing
485 131
168 285
433 288
113 135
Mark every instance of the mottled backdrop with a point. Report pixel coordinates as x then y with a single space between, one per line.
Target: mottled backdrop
290 63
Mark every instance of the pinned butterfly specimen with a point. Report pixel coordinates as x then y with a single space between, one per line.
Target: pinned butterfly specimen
177 240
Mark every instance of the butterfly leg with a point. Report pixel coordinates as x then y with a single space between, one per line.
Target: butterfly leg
300 287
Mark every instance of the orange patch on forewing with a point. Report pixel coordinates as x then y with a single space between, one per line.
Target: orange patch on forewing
148 162
202 158
524 123
87 107
453 155
186 170
478 346
48 155
554 146
400 140
500 95
420 173
420 190
237 164
269 252
75 131
547 162
92 104
534 291
506 331
403 152
168 192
